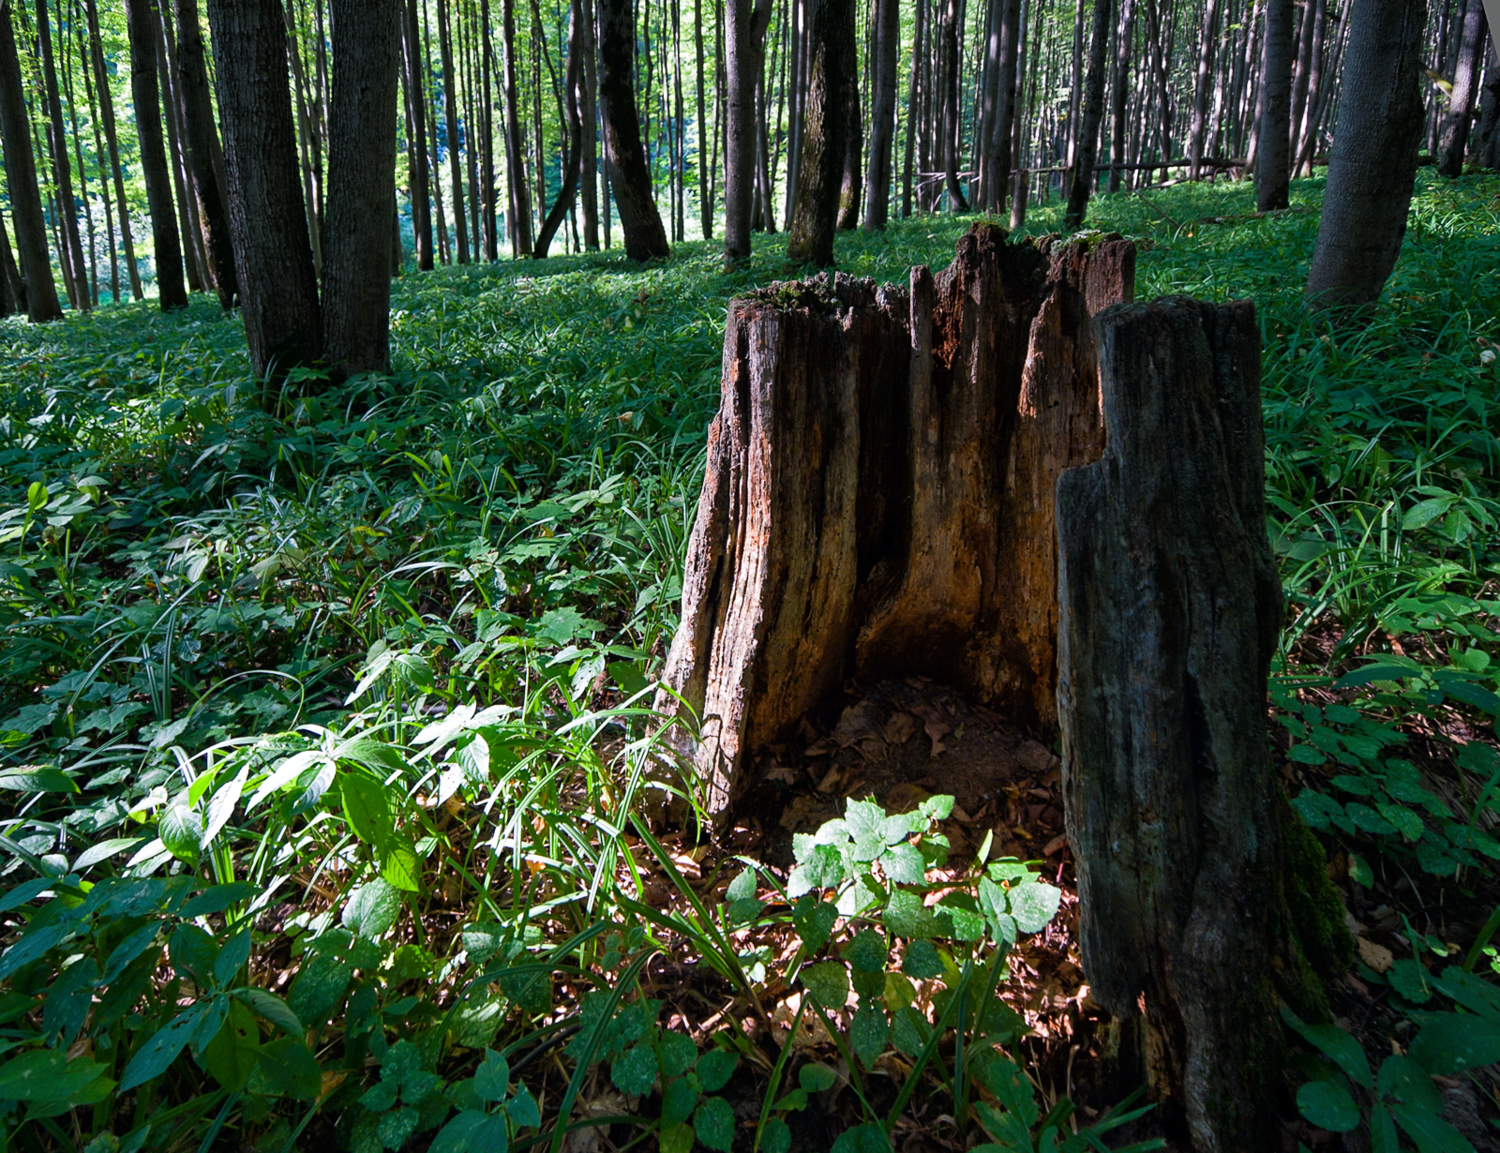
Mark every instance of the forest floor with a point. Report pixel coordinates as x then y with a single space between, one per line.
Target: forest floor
327 734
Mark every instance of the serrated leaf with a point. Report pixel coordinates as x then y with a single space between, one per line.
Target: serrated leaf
868 1032
492 1078
676 1054
1033 904
867 1138
828 982
634 1072
678 1100
366 808
715 1068
713 1124
922 960
867 952
373 909
742 888
776 1137
401 869
318 989
192 952
903 864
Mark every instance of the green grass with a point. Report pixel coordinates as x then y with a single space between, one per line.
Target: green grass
231 638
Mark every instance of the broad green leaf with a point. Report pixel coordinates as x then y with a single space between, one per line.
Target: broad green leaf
713 1124
903 864
922 960
867 952
33 945
635 1071
676 1053
868 1032
152 1058
318 989
38 780
234 953
828 982
271 1007
1450 1042
217 898
401 869
366 808
181 831
742 888
776 1137
1033 904
675 1138
678 1100
235 1049
46 1075
1431 1133
867 1138
454 1137
192 952
715 1068
373 909
1346 1052
492 1078
1328 1106
815 1078
523 1109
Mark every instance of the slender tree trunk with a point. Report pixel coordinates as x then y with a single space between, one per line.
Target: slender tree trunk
1373 167
12 290
416 145
42 303
825 126
948 28
998 153
487 130
107 115
83 178
201 140
645 239
1120 93
589 111
189 224
883 116
1454 140
450 121
1201 88
1093 113
913 116
746 22
171 291
1487 138
573 154
1307 128
852 185
361 181
1273 159
278 287
57 141
519 222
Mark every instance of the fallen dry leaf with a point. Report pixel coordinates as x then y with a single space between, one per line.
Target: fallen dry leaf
899 728
1378 957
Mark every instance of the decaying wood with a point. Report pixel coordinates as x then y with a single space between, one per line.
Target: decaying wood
879 491
1170 612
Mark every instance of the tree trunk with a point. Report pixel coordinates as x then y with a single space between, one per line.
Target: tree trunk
1487 141
998 156
410 47
878 498
367 41
1454 141
1373 167
589 112
450 119
278 288
1120 93
107 115
820 166
913 94
568 193
141 23
42 303
198 116
1303 141
57 142
883 114
1171 607
518 220
645 239
1273 158
11 291
746 22
189 225
1093 114
851 186
950 26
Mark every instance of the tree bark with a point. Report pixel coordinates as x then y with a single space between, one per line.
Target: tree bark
450 115
42 303
11 290
202 142
410 47
57 143
1171 607
948 90
356 307
141 23
107 115
851 186
746 22
1373 166
645 239
568 193
884 73
1093 114
518 220
825 127
878 497
1454 140
998 157
1273 158
278 288
1120 93
589 112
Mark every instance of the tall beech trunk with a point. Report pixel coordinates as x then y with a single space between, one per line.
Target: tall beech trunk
948 92
356 307
568 193
589 112
21 183
57 143
1120 93
645 239
884 77
141 24
1273 157
11 289
450 117
107 115
825 127
202 145
1373 166
998 156
1170 610
278 287
1093 114
518 220
878 497
851 186
746 22
416 117
1453 142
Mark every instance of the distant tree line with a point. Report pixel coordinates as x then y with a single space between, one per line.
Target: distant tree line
276 152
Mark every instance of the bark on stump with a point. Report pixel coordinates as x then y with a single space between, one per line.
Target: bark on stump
879 491
1170 612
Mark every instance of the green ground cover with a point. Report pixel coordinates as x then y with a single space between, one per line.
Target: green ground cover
370 678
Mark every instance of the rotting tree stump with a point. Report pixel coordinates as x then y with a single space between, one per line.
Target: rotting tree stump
1170 610
995 479
879 491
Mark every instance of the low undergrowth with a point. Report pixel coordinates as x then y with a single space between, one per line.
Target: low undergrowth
326 729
